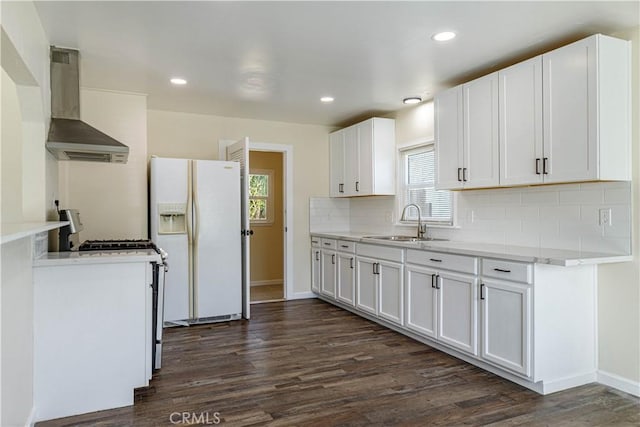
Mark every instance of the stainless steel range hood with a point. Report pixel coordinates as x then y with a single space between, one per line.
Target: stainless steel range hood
69 137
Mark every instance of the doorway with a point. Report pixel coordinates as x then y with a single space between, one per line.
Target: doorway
266 213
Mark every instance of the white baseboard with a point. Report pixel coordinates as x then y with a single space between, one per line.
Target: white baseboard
302 295
266 282
31 421
620 383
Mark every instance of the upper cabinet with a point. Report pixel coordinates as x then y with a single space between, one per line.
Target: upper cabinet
466 129
560 117
362 159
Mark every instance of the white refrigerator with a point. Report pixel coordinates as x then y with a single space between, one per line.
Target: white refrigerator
195 217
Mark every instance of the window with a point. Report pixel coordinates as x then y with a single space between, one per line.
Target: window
417 185
261 197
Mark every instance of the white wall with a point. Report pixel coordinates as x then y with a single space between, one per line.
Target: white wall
25 117
196 136
619 284
111 197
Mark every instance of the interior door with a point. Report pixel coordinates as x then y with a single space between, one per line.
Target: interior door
239 152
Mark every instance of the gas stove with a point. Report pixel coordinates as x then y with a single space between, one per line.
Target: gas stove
120 245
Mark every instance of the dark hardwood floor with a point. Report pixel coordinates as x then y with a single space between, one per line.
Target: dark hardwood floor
308 363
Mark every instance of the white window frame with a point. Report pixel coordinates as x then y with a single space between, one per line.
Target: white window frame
270 203
401 198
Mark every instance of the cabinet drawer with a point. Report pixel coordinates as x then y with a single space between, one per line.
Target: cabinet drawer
508 270
328 243
462 263
315 242
346 246
380 252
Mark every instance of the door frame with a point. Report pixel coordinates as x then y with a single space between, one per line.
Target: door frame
287 182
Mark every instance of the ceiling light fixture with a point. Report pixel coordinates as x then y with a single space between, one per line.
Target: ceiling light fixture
326 99
178 81
412 100
444 36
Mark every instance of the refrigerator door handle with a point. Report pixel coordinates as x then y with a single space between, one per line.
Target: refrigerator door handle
190 235
196 233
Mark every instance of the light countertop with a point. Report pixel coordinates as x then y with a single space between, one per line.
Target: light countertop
51 259
17 230
559 257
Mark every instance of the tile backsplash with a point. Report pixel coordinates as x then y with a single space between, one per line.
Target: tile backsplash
555 216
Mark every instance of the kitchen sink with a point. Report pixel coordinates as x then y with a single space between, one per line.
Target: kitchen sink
400 238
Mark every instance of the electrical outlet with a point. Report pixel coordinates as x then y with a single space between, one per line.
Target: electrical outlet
605 216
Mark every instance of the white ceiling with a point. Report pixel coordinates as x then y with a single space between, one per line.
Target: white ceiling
274 60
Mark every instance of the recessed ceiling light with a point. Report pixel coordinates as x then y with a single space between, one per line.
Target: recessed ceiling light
178 81
444 36
326 99
412 100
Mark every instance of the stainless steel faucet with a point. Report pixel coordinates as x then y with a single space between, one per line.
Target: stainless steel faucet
421 228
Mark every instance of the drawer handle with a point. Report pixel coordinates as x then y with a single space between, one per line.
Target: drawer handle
435 260
327 244
344 246
314 241
502 270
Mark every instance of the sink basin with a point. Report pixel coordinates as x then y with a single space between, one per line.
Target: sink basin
400 238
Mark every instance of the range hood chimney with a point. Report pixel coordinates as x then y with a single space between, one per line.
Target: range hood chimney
69 137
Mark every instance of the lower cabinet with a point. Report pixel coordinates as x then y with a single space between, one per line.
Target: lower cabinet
457 311
506 325
479 309
380 282
315 270
346 277
328 282
366 292
442 305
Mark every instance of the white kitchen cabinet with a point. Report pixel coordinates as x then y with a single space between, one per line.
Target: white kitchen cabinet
467 135
421 300
336 164
586 104
457 310
451 304
533 324
506 324
560 117
366 285
362 159
346 272
521 149
92 334
391 291
316 267
379 281
328 265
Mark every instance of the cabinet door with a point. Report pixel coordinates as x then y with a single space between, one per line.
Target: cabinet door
351 161
336 164
521 123
570 116
315 270
480 134
328 283
421 302
448 138
390 290
366 140
506 334
346 278
366 289
457 311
